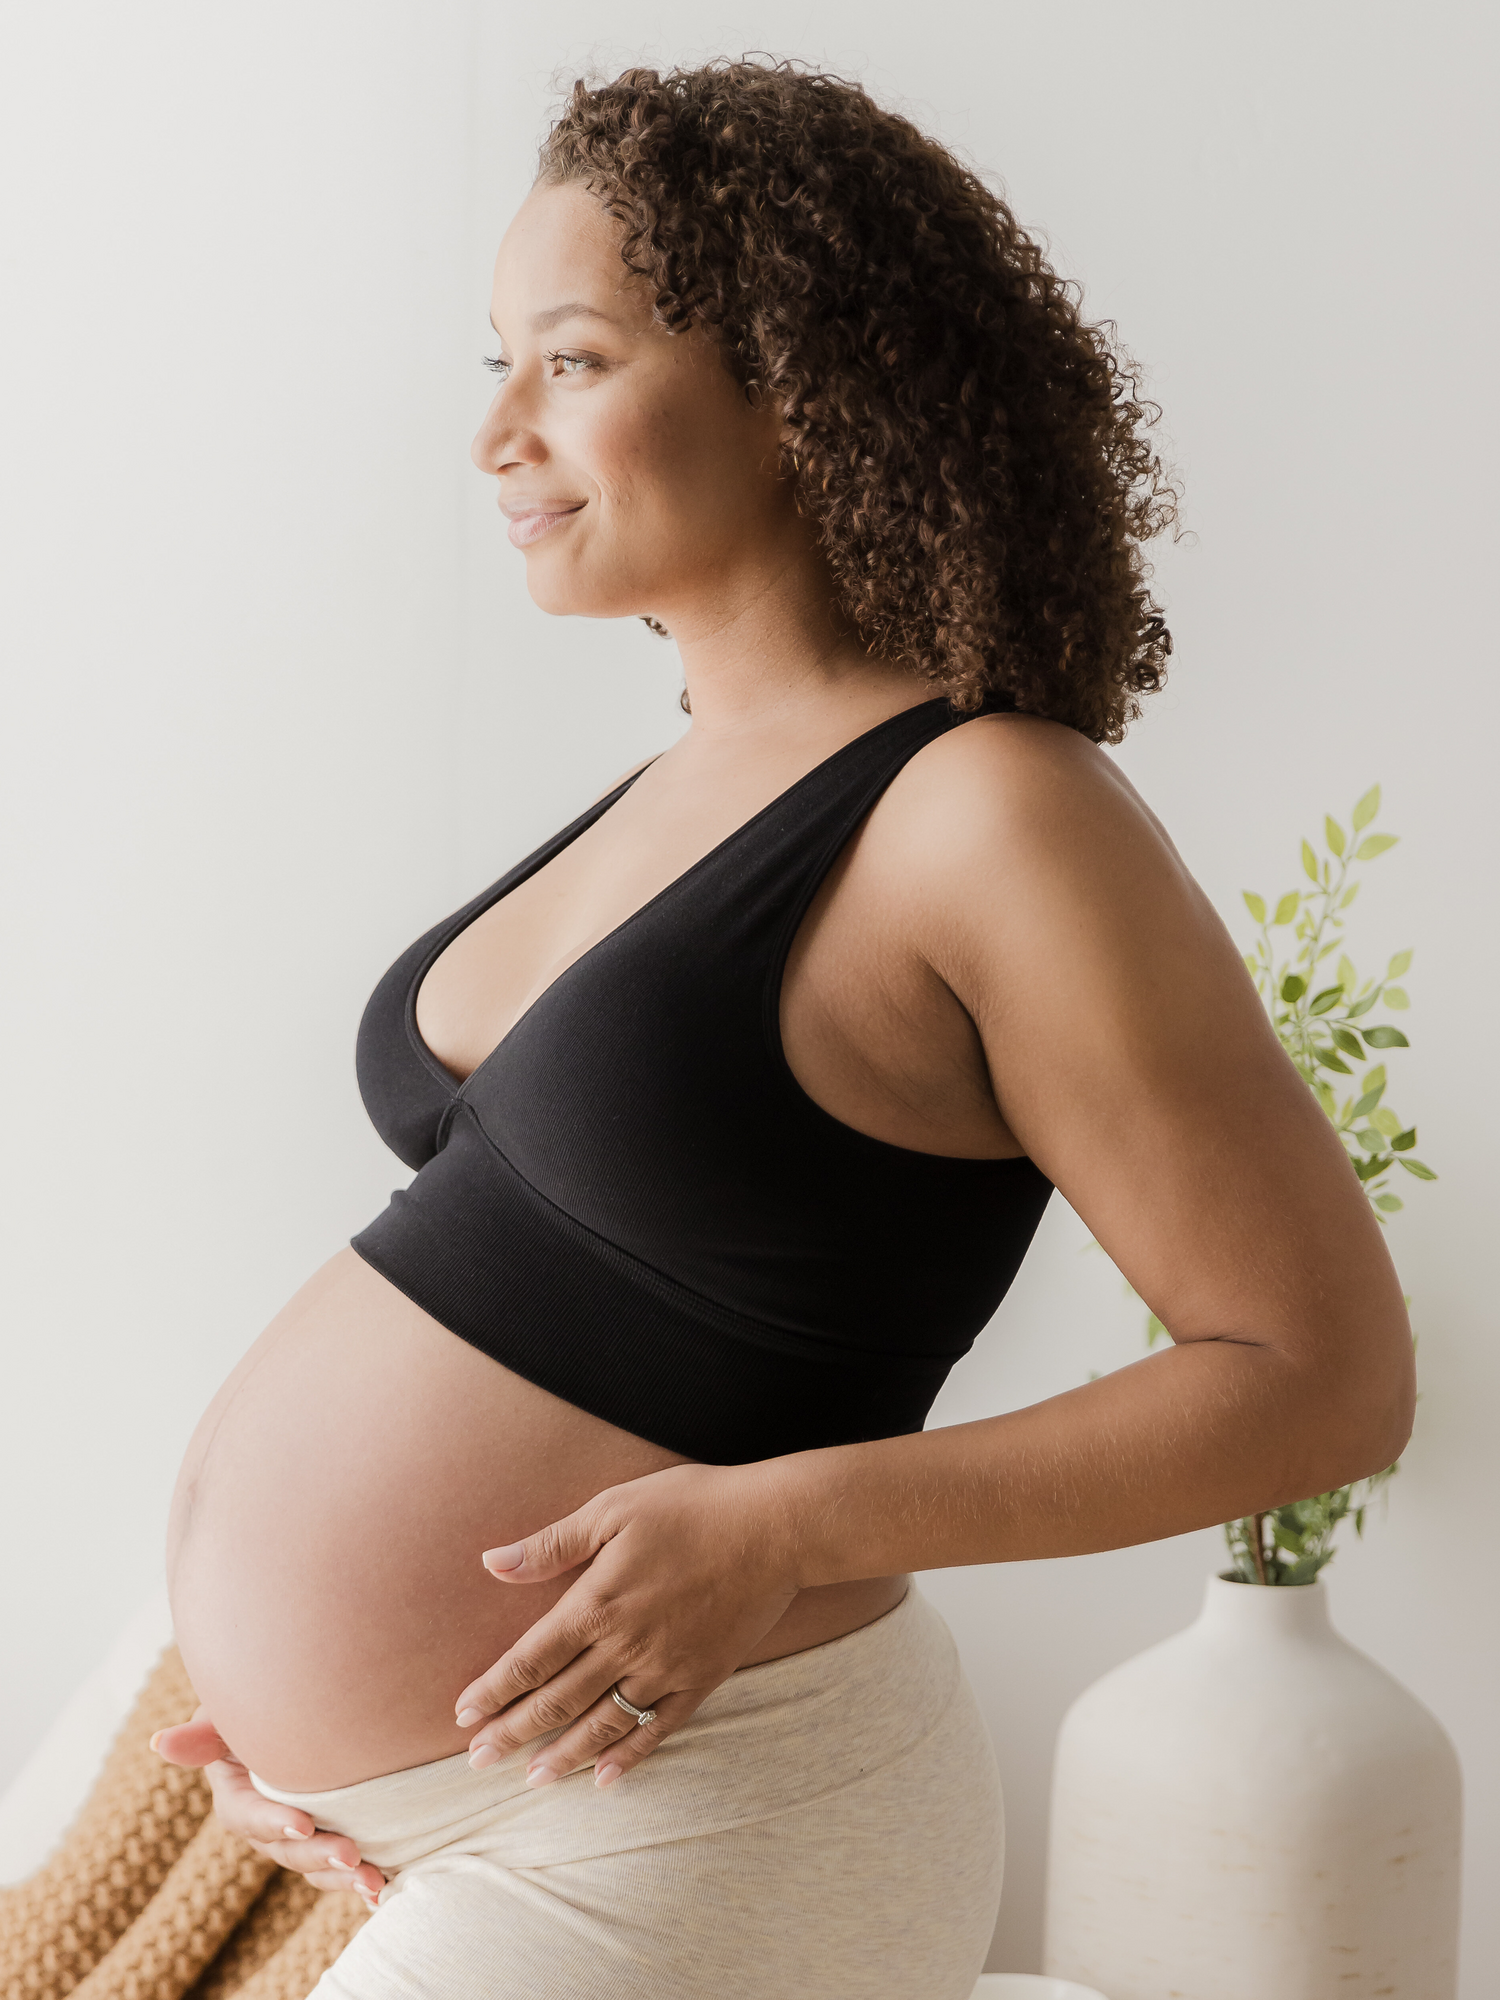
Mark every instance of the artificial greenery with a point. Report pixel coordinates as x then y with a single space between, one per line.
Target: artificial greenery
1323 1024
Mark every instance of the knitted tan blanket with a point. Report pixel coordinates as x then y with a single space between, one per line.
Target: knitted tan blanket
148 1898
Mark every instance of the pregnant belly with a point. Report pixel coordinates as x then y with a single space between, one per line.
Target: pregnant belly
324 1546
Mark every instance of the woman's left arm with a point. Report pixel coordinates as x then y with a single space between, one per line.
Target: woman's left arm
1130 1055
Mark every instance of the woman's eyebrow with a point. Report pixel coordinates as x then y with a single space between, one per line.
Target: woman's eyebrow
555 315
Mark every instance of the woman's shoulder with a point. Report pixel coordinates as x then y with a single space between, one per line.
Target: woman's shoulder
1022 792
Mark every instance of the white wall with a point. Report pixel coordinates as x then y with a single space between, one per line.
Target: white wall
236 381
283 697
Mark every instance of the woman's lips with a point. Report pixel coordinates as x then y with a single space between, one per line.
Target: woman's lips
528 528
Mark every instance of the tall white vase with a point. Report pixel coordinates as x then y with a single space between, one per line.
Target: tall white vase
1254 1810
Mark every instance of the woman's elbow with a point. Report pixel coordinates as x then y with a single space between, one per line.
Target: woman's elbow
1396 1418
1366 1418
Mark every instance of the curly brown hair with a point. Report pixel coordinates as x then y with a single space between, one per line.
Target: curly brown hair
974 454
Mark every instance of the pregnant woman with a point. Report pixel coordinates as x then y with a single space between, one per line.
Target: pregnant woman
544 1570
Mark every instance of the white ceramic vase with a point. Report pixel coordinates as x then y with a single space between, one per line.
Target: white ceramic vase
1254 1810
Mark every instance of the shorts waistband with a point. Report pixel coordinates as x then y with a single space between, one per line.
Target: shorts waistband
769 1739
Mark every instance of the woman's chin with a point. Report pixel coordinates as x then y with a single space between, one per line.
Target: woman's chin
562 597
553 591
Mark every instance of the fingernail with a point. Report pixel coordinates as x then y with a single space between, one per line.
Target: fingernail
467 1717
605 1774
296 1833
540 1774
347 1866
156 1739
486 1754
506 1558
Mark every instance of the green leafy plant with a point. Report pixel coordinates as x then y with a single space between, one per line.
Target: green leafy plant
1291 1544
1323 1024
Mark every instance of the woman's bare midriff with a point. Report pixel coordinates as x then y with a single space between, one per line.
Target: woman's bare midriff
326 1532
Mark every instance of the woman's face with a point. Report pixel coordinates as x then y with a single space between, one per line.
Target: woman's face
635 474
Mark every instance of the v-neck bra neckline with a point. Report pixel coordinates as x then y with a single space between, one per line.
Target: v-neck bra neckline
550 850
640 1209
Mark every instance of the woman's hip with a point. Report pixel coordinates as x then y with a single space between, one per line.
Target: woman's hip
828 1824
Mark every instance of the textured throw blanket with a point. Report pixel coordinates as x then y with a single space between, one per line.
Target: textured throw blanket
148 1898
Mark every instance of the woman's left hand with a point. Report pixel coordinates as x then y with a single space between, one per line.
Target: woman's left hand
684 1579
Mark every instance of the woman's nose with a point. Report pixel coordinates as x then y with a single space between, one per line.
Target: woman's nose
505 437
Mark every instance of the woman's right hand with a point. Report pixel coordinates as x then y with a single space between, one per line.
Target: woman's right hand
285 1835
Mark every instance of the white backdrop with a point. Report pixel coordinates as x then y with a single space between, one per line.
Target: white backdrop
275 696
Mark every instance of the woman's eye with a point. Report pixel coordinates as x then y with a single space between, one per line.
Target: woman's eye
560 364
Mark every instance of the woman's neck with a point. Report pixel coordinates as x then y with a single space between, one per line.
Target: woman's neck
771 653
